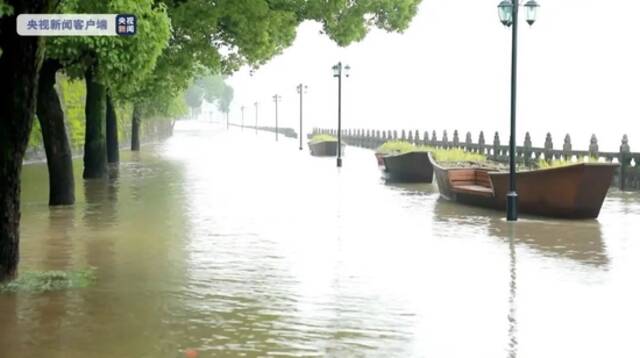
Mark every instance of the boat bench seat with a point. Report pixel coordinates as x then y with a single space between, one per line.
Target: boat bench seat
473 189
471 181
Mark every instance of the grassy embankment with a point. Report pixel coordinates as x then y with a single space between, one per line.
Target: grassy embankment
72 98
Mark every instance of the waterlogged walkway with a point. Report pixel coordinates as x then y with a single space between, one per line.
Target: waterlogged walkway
234 245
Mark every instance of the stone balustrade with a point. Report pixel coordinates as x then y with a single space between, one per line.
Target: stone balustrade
526 154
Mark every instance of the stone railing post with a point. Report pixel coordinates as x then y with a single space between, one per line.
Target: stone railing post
456 139
434 138
566 148
527 149
481 143
425 138
548 148
416 138
625 160
404 137
445 139
496 146
593 147
410 138
468 142
395 134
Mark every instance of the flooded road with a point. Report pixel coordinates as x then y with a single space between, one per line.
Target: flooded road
237 246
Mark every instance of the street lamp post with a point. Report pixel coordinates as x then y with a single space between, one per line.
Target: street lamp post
508 12
337 72
276 99
301 90
242 120
256 105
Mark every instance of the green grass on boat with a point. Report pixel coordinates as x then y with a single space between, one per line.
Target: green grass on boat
441 155
323 138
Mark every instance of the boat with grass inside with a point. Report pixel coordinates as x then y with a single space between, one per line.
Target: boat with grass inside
574 191
322 145
409 167
404 162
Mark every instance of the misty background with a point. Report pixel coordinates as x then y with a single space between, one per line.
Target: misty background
579 73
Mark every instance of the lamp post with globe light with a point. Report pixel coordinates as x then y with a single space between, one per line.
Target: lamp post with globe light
338 70
302 89
276 99
508 13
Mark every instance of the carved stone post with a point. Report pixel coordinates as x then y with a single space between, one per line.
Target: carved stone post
425 138
445 139
410 138
416 138
468 142
496 146
593 147
527 149
481 143
566 148
456 139
548 148
434 138
404 136
625 160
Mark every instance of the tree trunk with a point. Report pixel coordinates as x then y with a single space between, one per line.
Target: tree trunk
54 136
113 148
95 150
135 128
19 65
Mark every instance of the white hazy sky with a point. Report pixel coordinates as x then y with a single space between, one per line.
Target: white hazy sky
579 73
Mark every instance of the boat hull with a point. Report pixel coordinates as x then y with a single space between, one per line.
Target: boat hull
411 167
325 149
574 191
380 158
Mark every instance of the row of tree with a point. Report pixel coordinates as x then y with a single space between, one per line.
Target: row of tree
211 89
176 41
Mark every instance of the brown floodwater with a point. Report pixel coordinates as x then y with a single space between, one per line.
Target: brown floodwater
237 246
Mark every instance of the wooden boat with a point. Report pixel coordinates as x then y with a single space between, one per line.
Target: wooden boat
327 148
573 191
410 167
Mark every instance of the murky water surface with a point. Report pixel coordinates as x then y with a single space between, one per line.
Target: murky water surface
233 245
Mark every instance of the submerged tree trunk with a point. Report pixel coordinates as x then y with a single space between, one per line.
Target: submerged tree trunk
54 136
95 150
135 128
19 65
113 154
